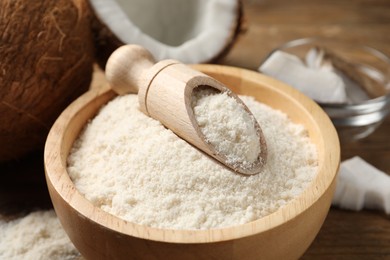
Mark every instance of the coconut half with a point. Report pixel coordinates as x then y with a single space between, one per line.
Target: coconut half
191 31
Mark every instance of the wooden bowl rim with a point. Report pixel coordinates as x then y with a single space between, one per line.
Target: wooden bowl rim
58 178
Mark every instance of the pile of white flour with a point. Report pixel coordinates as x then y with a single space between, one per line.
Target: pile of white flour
131 166
37 236
227 126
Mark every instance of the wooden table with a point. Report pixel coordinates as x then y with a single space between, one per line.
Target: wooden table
269 23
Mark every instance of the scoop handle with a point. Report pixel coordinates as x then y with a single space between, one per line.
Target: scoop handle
165 94
125 67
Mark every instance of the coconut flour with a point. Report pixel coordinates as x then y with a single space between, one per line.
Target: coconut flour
227 126
131 166
37 236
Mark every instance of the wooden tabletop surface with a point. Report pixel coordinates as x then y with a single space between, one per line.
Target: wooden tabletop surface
269 23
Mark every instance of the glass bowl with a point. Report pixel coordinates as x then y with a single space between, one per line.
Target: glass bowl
358 117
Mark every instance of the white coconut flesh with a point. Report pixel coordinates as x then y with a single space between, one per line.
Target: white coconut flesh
192 31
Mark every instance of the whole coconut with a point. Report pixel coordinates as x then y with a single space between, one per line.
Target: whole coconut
46 57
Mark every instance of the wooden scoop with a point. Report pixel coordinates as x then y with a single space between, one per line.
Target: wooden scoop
164 91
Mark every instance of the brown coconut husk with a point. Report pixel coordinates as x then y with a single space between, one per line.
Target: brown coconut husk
46 62
106 42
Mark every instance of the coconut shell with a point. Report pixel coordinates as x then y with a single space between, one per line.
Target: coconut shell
46 50
238 30
106 42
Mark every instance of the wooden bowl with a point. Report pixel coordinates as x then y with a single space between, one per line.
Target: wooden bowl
284 234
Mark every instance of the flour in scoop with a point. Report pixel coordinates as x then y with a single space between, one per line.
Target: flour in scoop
227 126
133 167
